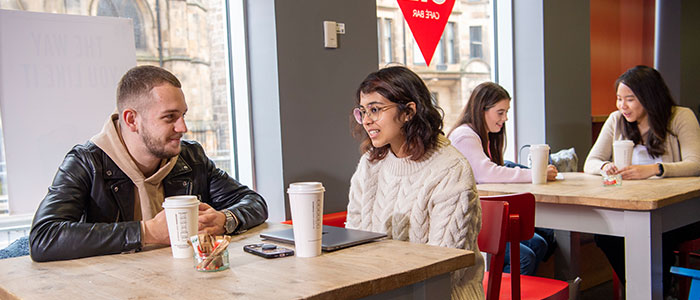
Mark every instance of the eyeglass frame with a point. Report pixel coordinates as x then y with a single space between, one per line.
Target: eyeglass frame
380 113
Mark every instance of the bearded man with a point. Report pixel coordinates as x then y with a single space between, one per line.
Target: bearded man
107 195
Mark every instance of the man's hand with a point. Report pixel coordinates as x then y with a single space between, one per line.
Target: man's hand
156 230
639 171
211 221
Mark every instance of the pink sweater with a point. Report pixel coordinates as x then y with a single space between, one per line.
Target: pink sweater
485 171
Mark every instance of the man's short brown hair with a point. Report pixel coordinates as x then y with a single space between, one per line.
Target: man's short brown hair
138 82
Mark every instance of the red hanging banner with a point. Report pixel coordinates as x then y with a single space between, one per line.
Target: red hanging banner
427 20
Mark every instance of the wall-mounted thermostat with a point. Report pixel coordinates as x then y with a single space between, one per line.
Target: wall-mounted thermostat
330 35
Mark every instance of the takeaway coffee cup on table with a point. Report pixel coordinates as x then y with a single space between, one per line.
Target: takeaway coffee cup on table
622 153
181 213
539 154
306 203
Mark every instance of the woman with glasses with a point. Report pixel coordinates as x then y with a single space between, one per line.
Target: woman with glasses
666 141
480 136
411 183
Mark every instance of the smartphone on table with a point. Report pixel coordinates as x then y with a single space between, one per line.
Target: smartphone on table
268 250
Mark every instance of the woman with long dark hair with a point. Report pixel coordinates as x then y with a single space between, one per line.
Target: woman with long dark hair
666 137
666 141
411 183
480 136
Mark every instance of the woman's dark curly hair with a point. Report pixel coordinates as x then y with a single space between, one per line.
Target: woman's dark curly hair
401 86
650 89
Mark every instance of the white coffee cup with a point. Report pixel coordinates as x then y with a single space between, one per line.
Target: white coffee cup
306 203
539 155
181 213
622 153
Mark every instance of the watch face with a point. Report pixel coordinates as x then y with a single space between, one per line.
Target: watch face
230 222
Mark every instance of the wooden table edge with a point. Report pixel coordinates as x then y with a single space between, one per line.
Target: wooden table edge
385 284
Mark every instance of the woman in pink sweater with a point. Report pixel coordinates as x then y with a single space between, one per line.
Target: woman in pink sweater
480 137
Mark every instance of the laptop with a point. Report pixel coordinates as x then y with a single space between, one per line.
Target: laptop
333 238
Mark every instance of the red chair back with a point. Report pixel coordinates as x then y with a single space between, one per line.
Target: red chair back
492 240
512 219
333 219
523 206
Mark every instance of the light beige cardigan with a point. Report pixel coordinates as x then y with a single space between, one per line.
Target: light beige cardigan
682 155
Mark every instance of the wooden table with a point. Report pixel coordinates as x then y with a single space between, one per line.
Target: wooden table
386 267
639 210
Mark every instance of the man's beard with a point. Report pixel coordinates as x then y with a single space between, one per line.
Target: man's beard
155 147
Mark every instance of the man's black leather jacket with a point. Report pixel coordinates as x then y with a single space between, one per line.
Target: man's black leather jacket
89 208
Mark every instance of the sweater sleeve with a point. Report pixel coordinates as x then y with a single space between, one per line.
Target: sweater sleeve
685 125
454 210
455 222
354 216
602 149
485 170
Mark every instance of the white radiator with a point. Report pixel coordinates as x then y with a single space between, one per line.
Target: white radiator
13 227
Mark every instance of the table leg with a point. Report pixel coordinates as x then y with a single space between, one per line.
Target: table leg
567 256
643 268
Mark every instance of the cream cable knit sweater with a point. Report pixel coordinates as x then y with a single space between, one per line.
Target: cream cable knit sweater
433 201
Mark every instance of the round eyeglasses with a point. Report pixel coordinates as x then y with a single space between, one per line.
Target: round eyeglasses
373 112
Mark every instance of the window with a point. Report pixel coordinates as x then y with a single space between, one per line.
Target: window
450 37
417 55
475 43
4 208
447 51
439 55
193 44
434 98
388 51
385 36
125 9
452 75
379 40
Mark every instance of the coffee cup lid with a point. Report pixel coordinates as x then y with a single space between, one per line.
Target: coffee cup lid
305 187
538 146
179 201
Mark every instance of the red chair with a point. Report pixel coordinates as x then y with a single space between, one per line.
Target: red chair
332 219
617 286
685 251
512 219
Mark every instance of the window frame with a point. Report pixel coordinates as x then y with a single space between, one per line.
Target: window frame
476 43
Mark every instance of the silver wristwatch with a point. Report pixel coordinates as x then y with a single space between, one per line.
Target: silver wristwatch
231 221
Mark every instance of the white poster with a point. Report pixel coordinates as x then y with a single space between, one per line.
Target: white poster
58 79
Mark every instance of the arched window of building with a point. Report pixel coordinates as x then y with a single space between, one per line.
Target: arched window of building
125 9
